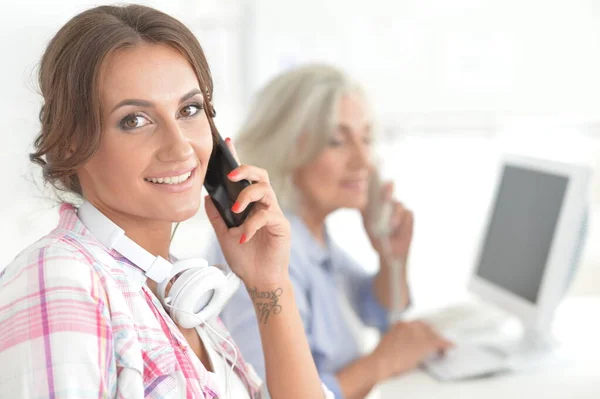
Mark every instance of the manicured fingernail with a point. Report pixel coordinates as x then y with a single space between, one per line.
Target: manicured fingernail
236 207
233 173
243 239
228 140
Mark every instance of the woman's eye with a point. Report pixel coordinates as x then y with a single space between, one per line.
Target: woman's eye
134 121
190 110
335 143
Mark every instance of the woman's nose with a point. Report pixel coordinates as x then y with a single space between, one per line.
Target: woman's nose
175 147
361 155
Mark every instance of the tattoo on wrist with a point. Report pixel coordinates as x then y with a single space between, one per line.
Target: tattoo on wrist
266 303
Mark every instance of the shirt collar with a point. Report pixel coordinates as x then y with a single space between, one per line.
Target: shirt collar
69 221
304 238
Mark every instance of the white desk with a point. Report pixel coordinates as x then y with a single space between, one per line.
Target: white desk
574 375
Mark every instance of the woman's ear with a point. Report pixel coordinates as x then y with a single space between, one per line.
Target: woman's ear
212 111
209 107
71 150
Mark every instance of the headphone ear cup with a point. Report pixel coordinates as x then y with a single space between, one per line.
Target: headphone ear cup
233 284
197 291
179 269
222 295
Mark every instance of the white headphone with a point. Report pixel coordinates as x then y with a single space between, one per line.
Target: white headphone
199 292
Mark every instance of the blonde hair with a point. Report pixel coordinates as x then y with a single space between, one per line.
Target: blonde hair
291 121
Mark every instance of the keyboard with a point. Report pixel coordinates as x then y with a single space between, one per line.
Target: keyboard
467 318
468 325
464 362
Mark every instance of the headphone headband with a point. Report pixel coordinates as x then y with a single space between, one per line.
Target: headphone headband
112 236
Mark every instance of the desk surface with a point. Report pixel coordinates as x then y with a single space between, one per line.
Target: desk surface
573 374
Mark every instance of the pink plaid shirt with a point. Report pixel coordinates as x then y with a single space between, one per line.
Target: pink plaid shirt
78 321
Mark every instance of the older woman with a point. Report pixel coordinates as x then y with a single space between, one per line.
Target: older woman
311 129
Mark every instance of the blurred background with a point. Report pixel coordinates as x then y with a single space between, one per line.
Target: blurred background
454 84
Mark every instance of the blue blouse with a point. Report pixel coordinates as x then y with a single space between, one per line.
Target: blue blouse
319 275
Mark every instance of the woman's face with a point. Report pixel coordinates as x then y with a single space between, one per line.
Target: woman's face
156 140
338 177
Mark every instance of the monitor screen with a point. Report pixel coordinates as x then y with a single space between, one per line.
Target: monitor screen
519 236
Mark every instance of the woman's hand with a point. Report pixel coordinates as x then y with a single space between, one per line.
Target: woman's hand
258 251
401 224
405 346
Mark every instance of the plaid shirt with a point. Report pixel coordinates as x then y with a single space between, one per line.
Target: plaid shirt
78 321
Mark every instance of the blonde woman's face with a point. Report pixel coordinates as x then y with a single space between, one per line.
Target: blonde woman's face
156 140
338 177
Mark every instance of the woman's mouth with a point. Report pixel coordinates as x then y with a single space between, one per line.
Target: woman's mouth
170 180
178 182
357 185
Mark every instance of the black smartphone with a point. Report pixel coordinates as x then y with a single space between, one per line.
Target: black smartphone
223 191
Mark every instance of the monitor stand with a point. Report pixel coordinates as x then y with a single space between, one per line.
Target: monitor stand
528 351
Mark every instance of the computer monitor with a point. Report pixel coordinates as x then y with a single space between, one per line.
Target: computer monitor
533 234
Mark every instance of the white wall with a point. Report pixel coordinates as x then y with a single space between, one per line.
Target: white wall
437 55
454 84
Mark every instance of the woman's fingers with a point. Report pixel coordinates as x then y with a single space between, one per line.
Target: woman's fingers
259 192
387 192
407 225
439 342
245 172
231 148
249 172
251 225
398 216
256 221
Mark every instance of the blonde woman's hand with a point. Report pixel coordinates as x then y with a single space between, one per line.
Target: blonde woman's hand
258 251
404 346
400 225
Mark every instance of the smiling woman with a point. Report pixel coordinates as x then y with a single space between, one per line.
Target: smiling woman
87 311
150 131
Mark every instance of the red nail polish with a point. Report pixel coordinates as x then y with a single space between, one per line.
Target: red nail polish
243 239
228 140
236 207
233 173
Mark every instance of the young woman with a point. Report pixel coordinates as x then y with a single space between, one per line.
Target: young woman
311 129
126 125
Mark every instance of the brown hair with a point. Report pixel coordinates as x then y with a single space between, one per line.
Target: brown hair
69 81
